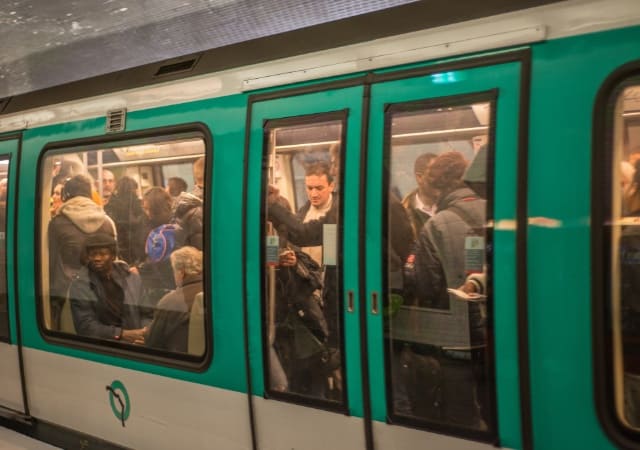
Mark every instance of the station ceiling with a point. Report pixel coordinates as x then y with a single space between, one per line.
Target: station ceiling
45 43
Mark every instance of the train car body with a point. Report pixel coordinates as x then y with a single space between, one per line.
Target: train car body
538 84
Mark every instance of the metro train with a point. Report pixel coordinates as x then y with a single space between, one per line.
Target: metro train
314 342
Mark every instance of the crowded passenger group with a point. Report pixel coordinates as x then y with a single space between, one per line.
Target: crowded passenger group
126 264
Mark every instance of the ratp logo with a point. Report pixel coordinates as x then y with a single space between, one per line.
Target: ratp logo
119 401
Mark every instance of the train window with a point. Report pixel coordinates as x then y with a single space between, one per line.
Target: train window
625 256
436 268
121 243
4 313
303 326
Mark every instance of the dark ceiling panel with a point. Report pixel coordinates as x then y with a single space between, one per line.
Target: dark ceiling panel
303 27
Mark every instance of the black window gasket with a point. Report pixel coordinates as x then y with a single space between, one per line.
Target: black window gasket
268 125
137 353
490 435
601 241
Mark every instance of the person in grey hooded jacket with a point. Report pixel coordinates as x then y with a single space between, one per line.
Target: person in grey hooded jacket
78 218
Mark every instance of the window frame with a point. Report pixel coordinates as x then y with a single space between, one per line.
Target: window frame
289 397
117 349
8 204
490 97
602 189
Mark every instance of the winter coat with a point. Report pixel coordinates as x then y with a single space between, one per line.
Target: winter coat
170 327
77 219
130 220
188 214
88 302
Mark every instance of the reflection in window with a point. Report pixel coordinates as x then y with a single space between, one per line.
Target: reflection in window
436 340
4 313
625 257
302 300
122 240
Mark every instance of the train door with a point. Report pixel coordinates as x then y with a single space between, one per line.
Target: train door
11 381
302 283
441 210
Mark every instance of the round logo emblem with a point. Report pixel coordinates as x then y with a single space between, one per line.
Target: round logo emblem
119 400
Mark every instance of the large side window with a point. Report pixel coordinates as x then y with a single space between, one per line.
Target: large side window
4 315
121 255
624 255
302 301
437 267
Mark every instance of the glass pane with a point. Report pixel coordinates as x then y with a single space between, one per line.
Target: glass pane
436 239
122 243
302 290
625 256
4 313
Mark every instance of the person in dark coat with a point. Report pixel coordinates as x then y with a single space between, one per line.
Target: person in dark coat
78 218
104 295
188 214
125 208
170 327
441 263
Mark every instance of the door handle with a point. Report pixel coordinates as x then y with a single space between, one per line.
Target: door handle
350 305
374 302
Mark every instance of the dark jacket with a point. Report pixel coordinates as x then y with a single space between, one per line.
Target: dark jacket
88 303
440 254
417 217
307 235
130 220
170 327
188 214
77 219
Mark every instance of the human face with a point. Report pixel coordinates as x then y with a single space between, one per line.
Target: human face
146 208
100 259
108 183
318 190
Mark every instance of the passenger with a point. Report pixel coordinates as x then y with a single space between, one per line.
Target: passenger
108 185
161 240
56 199
630 300
306 230
156 204
300 326
440 264
170 327
198 178
175 187
104 295
421 202
188 214
477 142
125 208
77 219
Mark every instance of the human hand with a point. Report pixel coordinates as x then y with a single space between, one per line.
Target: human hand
288 258
134 336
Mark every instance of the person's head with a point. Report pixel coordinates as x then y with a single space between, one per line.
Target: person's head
100 250
126 187
76 186
186 261
632 194
108 183
156 204
175 186
319 183
198 172
56 197
334 159
446 171
420 169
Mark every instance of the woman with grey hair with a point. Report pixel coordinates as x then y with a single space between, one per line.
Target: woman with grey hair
170 327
